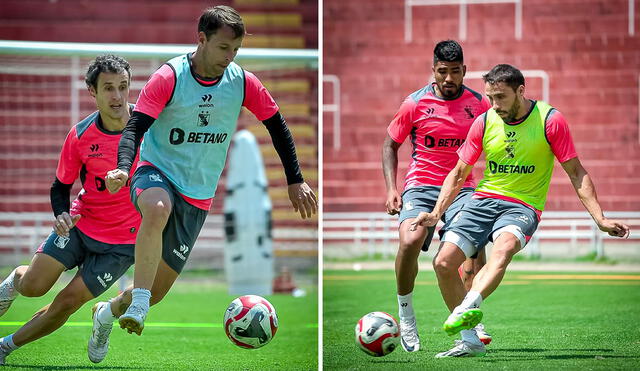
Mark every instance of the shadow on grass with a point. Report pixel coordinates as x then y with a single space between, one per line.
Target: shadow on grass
597 353
534 350
75 367
382 361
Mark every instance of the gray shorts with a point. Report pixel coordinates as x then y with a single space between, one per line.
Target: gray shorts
479 219
100 264
184 224
423 198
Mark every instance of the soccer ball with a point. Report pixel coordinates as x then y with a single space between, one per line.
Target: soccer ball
377 334
250 322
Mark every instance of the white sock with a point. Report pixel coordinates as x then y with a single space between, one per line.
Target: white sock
141 298
472 300
105 315
405 306
470 336
6 344
7 285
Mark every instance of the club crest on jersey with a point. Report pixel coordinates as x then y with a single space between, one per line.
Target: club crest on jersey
61 242
203 118
509 150
408 205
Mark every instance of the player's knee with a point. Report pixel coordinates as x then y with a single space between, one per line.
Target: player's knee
443 266
410 244
32 288
65 305
155 211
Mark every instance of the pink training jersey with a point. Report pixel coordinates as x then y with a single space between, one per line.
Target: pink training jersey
90 151
558 136
438 127
159 89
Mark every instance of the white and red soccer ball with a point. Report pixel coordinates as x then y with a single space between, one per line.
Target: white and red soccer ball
377 334
250 321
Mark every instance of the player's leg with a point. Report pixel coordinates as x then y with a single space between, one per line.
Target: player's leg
471 267
414 200
49 318
406 266
164 280
38 277
151 193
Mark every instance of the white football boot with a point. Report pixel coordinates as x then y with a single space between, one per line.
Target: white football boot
133 319
409 334
7 294
483 335
464 349
98 345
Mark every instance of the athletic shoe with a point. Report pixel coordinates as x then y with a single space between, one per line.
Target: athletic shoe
409 334
462 319
7 295
464 349
484 336
133 319
98 345
4 352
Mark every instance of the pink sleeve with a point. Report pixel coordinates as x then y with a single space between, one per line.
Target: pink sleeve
559 137
69 163
257 98
402 122
471 149
156 92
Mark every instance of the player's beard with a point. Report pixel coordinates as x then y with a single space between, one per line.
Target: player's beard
513 112
450 93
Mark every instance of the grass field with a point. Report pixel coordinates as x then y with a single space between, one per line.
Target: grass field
171 344
539 321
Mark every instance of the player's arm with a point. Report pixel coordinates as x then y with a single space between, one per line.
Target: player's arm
132 134
390 171
450 189
559 138
397 131
468 155
586 191
153 98
302 197
69 165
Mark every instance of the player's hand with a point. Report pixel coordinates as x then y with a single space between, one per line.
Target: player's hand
116 179
394 202
614 228
64 223
424 220
303 199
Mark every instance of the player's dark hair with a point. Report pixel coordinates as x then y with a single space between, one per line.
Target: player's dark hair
105 63
212 19
505 73
448 51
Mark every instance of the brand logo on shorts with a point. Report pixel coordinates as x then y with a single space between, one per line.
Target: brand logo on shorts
155 178
456 218
523 218
104 279
61 242
408 205
182 254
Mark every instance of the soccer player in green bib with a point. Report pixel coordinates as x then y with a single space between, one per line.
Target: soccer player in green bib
520 138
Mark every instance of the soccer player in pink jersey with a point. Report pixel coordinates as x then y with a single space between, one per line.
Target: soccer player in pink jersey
97 232
187 113
520 138
437 118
